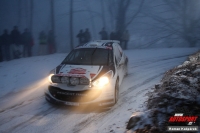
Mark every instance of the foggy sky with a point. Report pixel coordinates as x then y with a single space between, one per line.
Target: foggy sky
141 29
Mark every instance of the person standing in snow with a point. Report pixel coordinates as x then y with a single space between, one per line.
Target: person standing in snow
16 39
112 36
51 42
43 43
125 39
26 40
80 37
104 34
5 45
87 36
31 45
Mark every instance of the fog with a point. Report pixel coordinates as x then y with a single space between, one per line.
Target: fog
151 23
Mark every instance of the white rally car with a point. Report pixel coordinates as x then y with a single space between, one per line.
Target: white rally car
90 74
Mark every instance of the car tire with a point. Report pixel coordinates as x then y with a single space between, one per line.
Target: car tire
116 93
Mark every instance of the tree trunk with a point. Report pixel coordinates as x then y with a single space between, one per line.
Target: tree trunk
120 14
71 24
103 14
92 20
53 22
31 16
27 13
19 13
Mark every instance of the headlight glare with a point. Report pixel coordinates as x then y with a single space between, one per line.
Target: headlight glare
50 77
101 81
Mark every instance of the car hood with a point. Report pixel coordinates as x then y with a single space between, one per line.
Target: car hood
78 71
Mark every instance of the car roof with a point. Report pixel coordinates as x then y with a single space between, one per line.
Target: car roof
99 44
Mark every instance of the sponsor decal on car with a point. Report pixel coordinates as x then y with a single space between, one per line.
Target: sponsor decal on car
71 93
92 75
77 71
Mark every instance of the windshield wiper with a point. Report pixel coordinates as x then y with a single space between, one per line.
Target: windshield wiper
92 55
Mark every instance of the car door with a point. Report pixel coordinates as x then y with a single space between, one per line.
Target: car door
123 60
119 62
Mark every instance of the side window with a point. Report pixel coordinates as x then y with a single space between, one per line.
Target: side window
118 55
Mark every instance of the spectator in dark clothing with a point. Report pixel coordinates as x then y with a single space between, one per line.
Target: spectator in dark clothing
125 39
118 35
15 37
31 45
87 36
51 42
43 42
112 36
5 43
26 41
80 37
104 35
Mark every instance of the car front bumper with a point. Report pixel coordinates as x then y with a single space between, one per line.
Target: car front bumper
105 97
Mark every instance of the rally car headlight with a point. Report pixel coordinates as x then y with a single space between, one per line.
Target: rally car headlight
50 77
103 80
55 79
74 81
65 79
84 81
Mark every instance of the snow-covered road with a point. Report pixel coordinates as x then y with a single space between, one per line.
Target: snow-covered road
23 107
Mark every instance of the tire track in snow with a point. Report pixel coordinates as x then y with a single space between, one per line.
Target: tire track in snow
31 120
95 117
6 118
21 104
157 60
123 96
91 117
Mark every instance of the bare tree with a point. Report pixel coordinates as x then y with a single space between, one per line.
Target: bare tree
52 17
19 13
123 6
71 24
103 13
181 18
91 14
119 9
53 22
31 15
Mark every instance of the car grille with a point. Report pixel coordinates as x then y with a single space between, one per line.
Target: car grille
74 96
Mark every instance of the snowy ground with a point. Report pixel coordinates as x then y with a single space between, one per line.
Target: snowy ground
24 109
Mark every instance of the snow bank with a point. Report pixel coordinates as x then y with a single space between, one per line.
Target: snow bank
178 92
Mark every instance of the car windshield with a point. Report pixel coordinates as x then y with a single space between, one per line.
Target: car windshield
89 56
